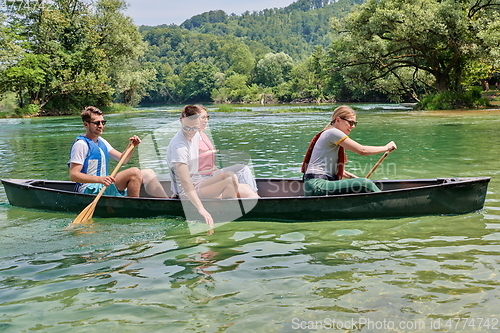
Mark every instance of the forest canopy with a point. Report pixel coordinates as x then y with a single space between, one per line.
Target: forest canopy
58 56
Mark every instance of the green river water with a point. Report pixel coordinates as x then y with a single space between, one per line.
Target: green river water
418 274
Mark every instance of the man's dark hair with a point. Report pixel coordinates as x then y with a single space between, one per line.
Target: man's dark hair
193 111
89 111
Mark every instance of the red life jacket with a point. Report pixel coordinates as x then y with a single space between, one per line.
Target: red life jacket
342 158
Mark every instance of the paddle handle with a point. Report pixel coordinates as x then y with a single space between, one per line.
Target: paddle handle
116 169
120 162
378 163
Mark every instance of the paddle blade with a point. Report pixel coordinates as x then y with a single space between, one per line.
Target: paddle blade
86 213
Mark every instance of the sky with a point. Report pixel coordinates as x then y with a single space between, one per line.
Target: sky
156 12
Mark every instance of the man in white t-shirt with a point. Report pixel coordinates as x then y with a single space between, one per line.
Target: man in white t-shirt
89 160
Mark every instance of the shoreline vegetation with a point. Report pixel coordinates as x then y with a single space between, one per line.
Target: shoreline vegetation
302 54
493 96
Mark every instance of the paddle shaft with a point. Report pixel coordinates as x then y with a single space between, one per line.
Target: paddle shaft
377 164
88 211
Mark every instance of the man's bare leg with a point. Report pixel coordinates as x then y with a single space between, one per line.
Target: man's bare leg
130 179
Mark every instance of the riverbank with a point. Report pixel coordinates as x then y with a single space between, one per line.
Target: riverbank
493 96
9 110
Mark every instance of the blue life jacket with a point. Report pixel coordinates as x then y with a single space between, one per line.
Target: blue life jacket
93 162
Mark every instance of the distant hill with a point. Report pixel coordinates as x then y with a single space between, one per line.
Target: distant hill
218 57
296 29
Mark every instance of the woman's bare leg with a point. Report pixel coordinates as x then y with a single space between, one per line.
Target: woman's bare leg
221 185
152 184
246 191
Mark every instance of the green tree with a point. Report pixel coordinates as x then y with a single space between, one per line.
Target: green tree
174 48
238 58
312 79
234 44
295 29
57 58
27 75
10 52
10 46
161 90
120 40
273 69
87 52
406 47
233 89
196 82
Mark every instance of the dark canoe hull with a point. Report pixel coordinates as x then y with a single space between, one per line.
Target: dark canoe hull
281 199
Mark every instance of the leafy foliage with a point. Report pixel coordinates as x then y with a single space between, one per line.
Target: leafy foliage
295 30
407 47
73 54
66 54
256 56
454 100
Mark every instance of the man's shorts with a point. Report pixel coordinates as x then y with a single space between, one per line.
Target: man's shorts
94 188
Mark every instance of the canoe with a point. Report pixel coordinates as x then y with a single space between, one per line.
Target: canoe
281 200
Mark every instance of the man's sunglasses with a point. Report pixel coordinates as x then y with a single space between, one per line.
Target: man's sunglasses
99 122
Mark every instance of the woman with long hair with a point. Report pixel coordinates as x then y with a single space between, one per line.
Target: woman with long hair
323 165
183 159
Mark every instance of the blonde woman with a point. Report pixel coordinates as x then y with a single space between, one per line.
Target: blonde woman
323 165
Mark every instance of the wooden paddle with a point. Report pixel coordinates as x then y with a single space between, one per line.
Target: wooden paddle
88 211
378 163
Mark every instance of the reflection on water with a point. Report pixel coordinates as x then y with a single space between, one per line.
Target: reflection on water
151 275
254 276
